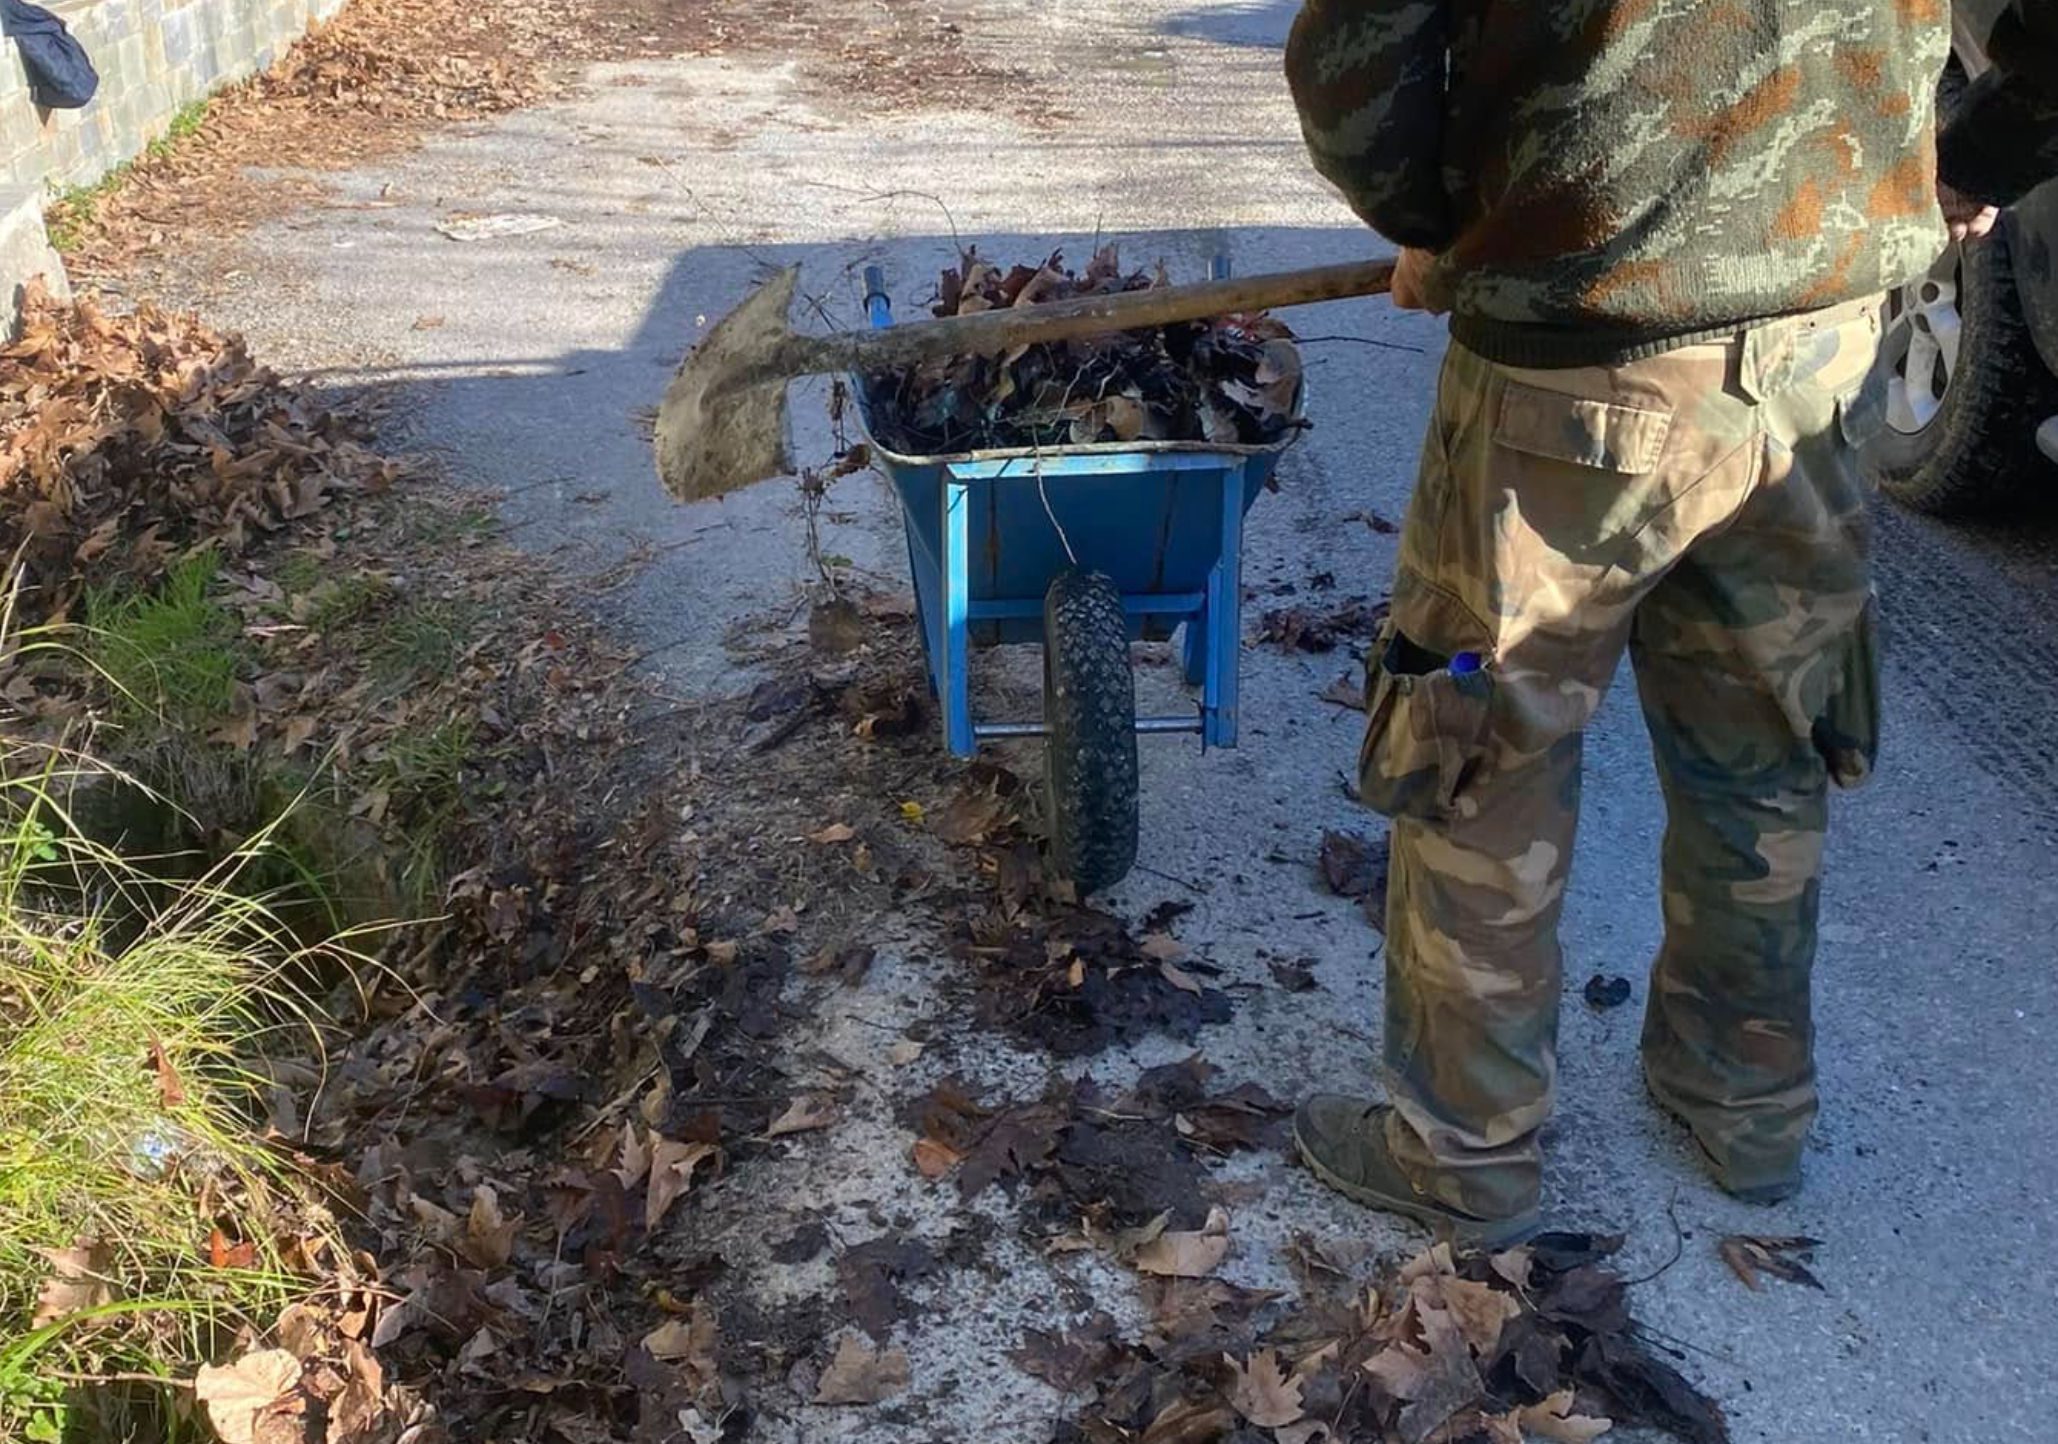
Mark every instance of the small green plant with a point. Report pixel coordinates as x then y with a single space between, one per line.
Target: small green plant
70 215
186 123
348 600
447 524
423 774
420 639
173 653
299 573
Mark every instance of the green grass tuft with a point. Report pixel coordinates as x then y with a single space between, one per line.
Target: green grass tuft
133 1010
70 215
174 653
348 600
420 639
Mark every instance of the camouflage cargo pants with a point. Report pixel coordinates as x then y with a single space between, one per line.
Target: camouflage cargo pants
1702 509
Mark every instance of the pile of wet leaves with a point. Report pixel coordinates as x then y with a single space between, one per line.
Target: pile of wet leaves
1122 1172
129 440
1230 380
1051 970
1534 1344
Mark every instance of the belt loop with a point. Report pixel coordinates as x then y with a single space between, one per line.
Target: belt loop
1767 367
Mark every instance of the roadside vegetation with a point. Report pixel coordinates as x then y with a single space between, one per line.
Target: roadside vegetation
152 1211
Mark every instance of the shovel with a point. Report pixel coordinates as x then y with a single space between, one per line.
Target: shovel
722 425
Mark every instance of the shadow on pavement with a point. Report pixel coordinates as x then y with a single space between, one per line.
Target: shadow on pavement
1261 24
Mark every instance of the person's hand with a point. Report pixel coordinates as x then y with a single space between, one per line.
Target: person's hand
1412 290
1968 219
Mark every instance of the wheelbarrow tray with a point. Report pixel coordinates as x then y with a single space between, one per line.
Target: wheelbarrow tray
989 530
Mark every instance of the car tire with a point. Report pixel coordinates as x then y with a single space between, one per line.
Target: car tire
1967 388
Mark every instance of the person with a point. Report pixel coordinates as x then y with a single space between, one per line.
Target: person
1663 235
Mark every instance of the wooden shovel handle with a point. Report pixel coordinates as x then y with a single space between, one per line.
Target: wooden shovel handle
988 333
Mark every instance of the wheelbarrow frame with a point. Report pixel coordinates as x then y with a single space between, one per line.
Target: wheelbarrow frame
963 592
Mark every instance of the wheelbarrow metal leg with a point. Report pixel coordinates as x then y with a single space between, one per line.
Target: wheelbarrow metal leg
1224 641
953 663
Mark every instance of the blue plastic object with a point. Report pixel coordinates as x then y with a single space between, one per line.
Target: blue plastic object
988 531
1464 664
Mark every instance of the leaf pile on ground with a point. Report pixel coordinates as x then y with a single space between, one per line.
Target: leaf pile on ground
1124 1172
1356 620
127 441
1534 1345
1051 970
1232 380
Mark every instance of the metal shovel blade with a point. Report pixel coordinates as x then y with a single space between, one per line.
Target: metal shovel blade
723 423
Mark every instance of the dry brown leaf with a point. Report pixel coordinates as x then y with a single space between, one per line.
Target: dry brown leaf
357 1409
834 833
237 1395
1187 1255
1184 981
676 1339
934 1159
171 1092
635 1157
489 1235
1161 948
1782 1258
77 1281
1189 1421
1554 1420
1435 1381
805 1114
672 1166
906 1051
1263 1392
860 1374
1480 1311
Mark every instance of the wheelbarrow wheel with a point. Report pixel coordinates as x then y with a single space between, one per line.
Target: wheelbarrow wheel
1089 707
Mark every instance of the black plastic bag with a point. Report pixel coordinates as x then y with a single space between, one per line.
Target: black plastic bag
61 76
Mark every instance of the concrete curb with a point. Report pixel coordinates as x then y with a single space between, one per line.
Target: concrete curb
25 251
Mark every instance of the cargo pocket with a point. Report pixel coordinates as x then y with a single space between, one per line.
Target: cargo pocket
1847 732
1429 695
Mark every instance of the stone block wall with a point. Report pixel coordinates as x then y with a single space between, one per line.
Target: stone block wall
154 58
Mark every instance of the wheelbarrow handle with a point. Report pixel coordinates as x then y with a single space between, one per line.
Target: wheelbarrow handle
989 333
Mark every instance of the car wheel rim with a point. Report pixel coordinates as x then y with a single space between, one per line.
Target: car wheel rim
1923 329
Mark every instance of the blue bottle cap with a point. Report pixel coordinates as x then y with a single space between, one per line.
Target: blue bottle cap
1464 664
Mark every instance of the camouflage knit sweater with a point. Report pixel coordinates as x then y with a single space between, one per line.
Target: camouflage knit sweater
1608 178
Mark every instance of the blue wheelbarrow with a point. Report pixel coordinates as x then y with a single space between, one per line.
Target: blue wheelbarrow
1084 549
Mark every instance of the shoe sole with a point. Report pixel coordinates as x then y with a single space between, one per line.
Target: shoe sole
1480 1233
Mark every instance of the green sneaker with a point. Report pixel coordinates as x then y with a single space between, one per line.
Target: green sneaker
1343 1142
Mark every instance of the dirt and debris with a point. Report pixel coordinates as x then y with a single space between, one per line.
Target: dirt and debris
1534 1343
1125 1173
1076 980
1353 866
1350 623
1233 380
